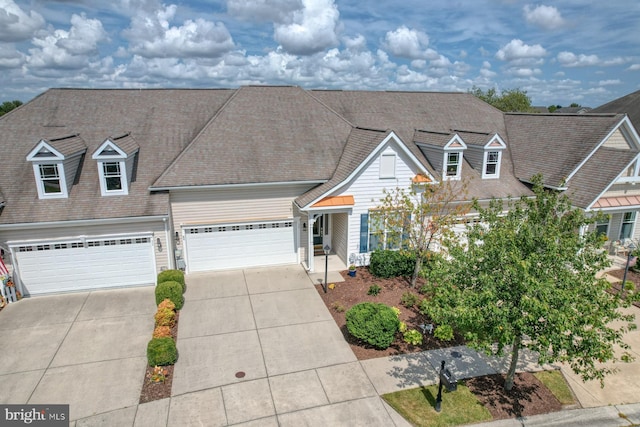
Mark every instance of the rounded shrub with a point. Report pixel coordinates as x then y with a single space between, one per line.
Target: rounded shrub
171 290
374 323
161 352
167 303
165 317
172 276
388 263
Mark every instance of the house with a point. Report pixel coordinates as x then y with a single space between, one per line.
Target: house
105 188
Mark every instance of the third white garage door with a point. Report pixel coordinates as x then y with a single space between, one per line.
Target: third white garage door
227 246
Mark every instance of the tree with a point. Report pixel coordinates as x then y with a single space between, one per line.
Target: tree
418 219
553 108
8 106
510 100
527 279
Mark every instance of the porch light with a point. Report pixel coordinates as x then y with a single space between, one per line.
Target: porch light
159 244
177 238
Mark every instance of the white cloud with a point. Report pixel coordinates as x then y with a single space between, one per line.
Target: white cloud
10 57
524 72
15 24
410 44
634 67
609 82
486 72
68 49
546 17
277 11
569 59
312 29
151 35
517 50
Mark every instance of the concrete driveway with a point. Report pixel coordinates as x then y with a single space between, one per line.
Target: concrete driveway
83 349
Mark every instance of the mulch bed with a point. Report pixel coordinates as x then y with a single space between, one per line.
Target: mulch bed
632 276
527 397
354 290
155 391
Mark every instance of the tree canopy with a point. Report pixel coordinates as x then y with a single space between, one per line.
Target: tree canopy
526 278
421 216
509 100
7 106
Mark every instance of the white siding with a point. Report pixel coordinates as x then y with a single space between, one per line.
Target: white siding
618 190
367 190
339 236
617 140
303 234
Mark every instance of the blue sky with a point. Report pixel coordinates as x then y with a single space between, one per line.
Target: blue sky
559 52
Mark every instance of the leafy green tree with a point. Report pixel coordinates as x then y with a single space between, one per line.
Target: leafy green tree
419 218
509 100
553 108
527 279
7 106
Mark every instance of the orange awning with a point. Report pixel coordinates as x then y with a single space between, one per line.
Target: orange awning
334 201
617 202
420 179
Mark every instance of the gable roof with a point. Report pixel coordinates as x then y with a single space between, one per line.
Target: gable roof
162 122
263 134
555 145
629 104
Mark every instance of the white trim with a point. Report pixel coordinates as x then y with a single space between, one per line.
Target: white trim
445 164
613 182
222 186
498 163
120 154
63 194
31 157
73 223
455 138
124 181
80 238
366 162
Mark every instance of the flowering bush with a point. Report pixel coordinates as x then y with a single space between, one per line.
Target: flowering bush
162 332
165 317
158 375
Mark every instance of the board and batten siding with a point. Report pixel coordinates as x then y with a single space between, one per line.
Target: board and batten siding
339 235
228 205
617 140
367 190
36 235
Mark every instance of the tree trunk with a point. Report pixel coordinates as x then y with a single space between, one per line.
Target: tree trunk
508 383
416 270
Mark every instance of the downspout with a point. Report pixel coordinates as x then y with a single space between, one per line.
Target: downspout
170 248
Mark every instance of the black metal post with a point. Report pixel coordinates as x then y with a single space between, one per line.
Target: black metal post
626 269
326 267
439 398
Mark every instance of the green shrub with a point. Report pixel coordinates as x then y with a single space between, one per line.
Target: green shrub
374 290
172 276
413 337
171 290
409 299
374 323
388 263
161 352
444 333
165 317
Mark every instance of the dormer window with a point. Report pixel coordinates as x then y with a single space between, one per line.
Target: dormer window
491 163
453 165
492 157
116 161
56 164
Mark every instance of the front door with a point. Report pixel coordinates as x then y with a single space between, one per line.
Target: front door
322 231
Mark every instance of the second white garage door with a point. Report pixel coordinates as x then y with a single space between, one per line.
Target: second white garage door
85 264
227 246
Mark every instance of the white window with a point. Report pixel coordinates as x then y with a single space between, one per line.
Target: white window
112 176
452 165
388 166
50 180
492 164
385 231
602 226
628 220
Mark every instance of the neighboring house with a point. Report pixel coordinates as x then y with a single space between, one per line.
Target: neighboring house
572 110
105 188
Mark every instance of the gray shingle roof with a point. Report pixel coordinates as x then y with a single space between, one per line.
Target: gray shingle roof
554 145
263 134
629 104
67 145
162 122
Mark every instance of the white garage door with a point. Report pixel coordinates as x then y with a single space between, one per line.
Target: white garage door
85 264
226 246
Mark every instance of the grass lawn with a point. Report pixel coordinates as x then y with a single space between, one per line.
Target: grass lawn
417 406
555 382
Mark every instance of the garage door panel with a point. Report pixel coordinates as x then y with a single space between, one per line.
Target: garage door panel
104 264
232 246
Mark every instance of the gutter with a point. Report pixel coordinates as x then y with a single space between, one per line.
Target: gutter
223 186
73 223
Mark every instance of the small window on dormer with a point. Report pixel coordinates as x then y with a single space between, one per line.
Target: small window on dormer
116 160
112 176
50 179
453 164
492 164
388 166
